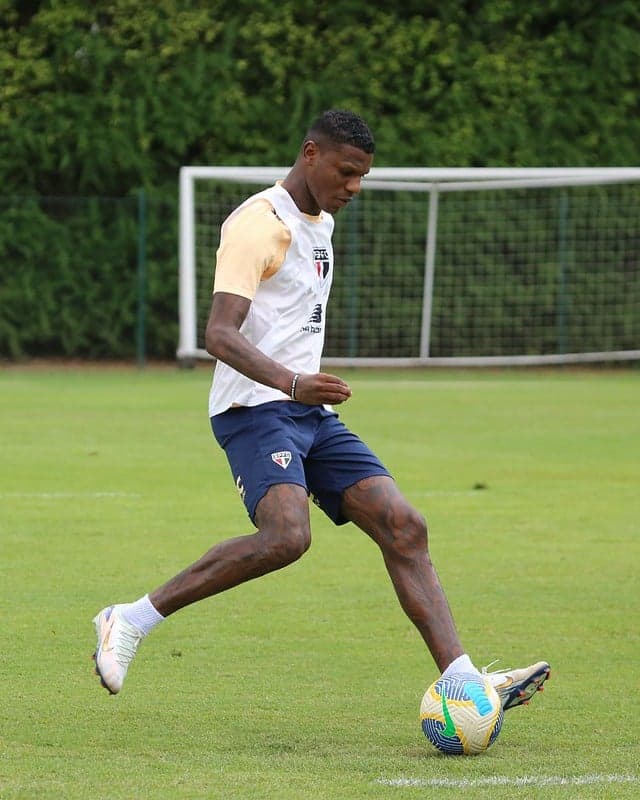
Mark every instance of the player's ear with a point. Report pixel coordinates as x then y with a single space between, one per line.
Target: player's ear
310 151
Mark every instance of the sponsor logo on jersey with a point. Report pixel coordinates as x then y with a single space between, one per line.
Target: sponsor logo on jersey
282 459
314 323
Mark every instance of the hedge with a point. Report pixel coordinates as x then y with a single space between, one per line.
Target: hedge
100 100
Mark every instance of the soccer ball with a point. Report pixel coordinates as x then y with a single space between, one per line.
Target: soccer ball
461 714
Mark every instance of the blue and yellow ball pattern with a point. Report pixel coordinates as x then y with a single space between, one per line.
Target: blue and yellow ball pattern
461 714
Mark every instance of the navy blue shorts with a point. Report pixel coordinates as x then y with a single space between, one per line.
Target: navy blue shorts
288 442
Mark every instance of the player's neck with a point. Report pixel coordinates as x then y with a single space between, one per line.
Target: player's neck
299 191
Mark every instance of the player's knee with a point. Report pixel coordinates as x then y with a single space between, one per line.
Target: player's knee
296 542
284 527
284 545
410 533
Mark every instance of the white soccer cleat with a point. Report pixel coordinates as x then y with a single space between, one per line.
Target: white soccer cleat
117 645
516 687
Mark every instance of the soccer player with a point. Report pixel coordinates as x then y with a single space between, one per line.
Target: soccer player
271 410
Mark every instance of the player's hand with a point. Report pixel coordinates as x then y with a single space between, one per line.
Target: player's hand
321 388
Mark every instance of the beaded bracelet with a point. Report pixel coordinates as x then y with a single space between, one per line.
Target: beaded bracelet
294 381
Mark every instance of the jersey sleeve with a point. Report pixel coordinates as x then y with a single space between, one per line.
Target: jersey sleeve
253 245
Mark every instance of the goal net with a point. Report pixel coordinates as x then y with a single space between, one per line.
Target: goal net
453 267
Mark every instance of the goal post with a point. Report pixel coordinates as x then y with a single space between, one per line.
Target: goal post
452 267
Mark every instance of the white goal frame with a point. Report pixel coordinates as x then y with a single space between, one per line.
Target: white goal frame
434 181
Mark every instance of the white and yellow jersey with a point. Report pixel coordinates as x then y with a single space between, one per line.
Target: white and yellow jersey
282 260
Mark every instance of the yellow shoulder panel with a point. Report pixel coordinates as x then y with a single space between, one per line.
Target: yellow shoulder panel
253 245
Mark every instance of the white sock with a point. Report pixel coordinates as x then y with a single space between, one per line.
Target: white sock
462 664
141 614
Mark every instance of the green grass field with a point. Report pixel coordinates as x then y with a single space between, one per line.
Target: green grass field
307 683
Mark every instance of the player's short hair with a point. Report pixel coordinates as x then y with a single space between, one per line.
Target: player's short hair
342 127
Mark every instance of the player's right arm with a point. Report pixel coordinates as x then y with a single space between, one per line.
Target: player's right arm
253 247
225 342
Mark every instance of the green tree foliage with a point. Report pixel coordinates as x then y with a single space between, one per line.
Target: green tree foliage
97 98
100 99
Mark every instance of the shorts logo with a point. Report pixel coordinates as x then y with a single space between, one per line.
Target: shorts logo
282 459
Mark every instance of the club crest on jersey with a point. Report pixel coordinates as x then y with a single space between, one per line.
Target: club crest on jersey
282 459
321 262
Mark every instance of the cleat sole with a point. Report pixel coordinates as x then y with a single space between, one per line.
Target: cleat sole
523 696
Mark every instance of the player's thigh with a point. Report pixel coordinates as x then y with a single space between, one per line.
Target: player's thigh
282 517
378 507
284 508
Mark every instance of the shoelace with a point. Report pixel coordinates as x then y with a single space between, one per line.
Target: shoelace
485 670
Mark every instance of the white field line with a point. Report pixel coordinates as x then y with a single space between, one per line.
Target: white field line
497 780
64 495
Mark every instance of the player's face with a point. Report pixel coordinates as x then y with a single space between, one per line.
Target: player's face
335 174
